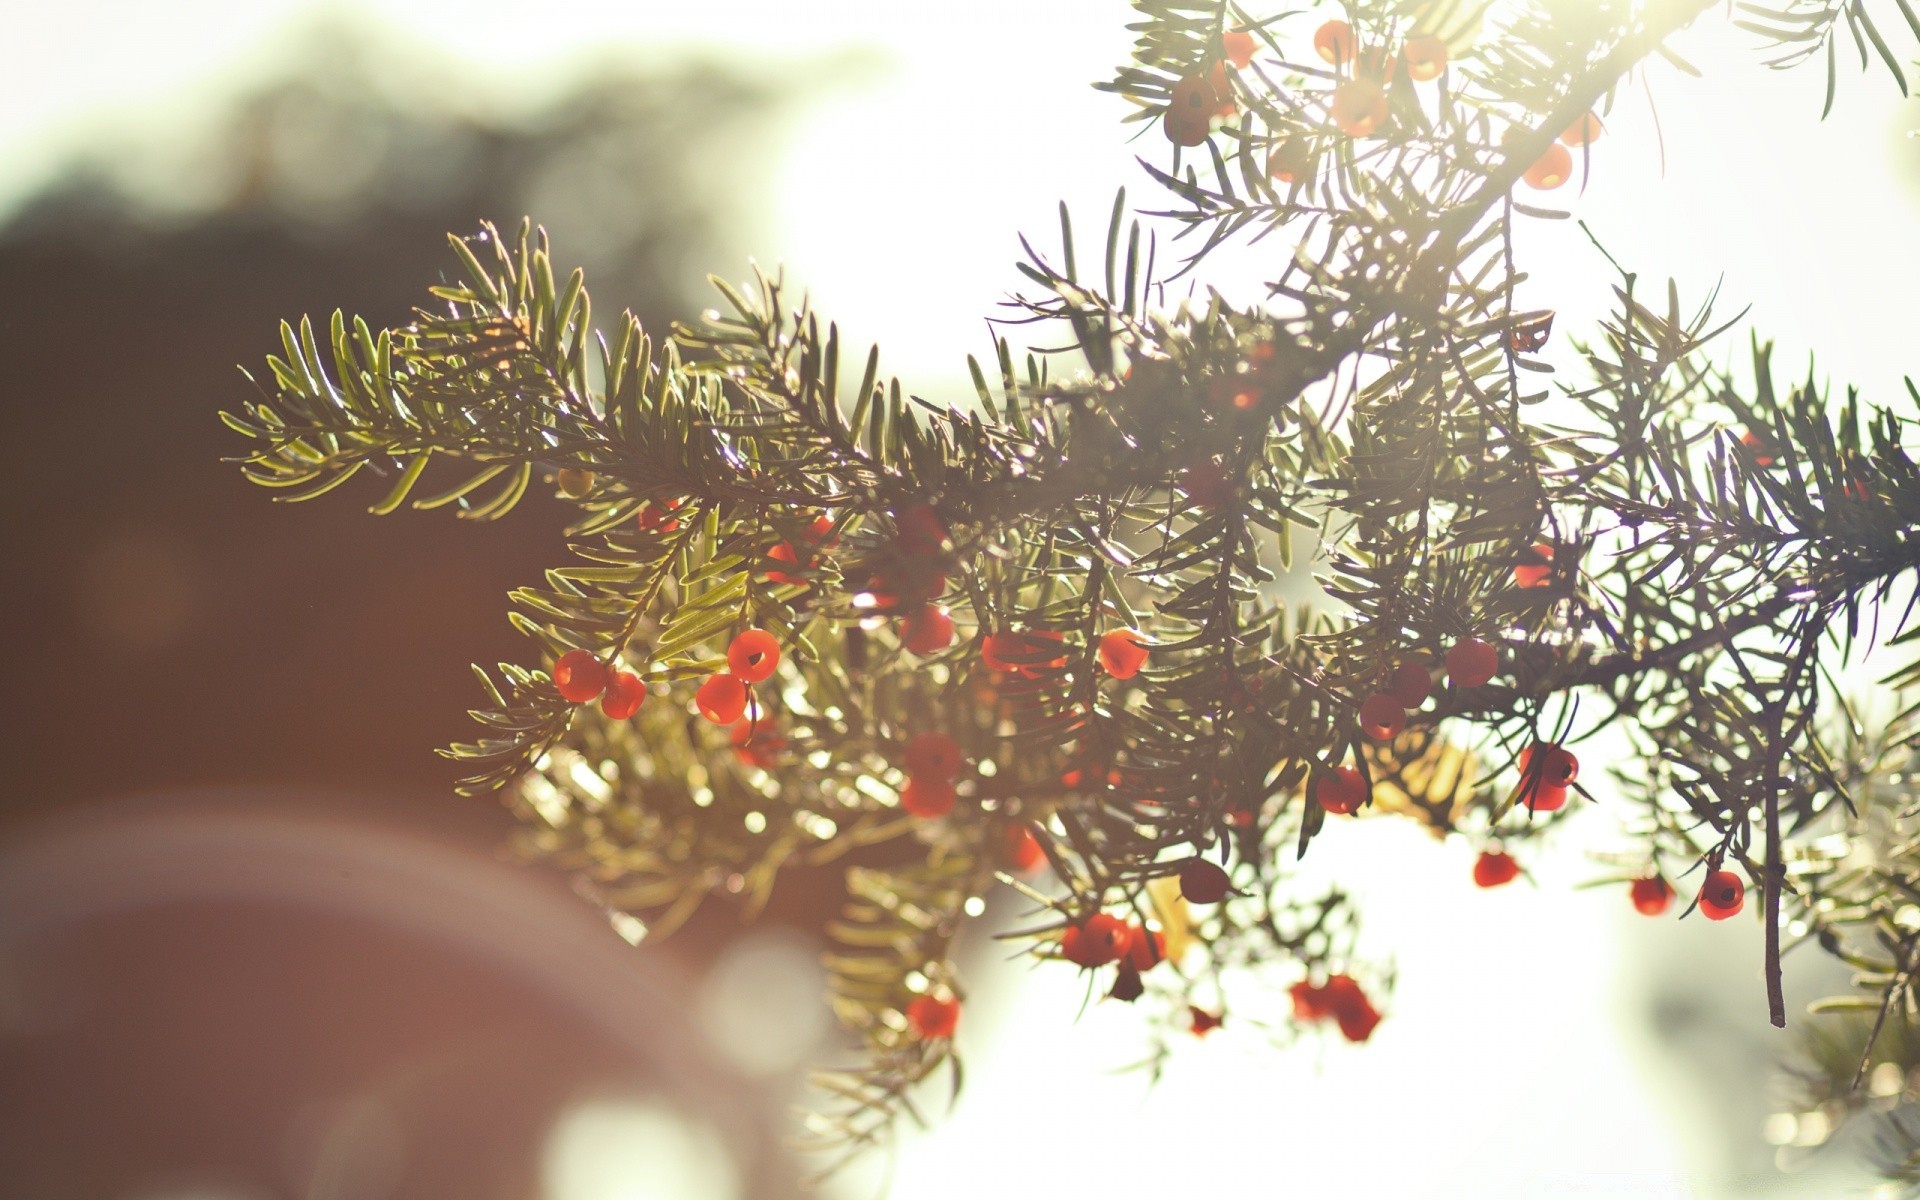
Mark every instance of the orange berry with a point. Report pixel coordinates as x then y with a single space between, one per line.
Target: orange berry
722 699
623 696
1121 654
926 630
1381 717
1652 895
1374 64
1020 850
932 1018
1146 948
1493 868
1582 131
927 798
1722 895
753 655
933 756
1342 790
574 484
1202 882
1426 57
1760 447
1472 662
1360 107
1535 570
1334 42
579 676
1237 45
1096 941
1410 683
1204 1022
1551 169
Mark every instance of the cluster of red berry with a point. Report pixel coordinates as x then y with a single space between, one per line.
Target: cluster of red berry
580 677
1360 101
1197 98
752 657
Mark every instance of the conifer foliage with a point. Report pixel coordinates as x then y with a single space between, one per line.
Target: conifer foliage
1036 639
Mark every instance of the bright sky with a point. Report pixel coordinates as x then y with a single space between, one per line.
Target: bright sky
1508 1065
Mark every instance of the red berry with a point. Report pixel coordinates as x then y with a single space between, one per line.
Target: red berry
1030 653
1722 895
1096 941
753 655
1538 796
1551 169
1202 882
1557 767
1310 1002
932 1018
1761 449
926 630
1195 96
623 696
1121 653
1334 42
1426 56
1360 107
783 552
1582 131
1184 129
757 746
1341 790
1493 868
919 532
1381 717
1536 568
722 699
579 676
1146 948
1020 850
1351 1008
927 798
1206 484
1410 683
1472 662
1204 1022
933 756
1287 162
820 532
1237 45
1652 895
657 517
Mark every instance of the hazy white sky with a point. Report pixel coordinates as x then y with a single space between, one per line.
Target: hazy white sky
1507 1065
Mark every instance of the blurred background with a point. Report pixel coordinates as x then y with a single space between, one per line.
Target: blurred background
250 944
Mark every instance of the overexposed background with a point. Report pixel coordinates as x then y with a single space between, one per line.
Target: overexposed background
1542 1041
